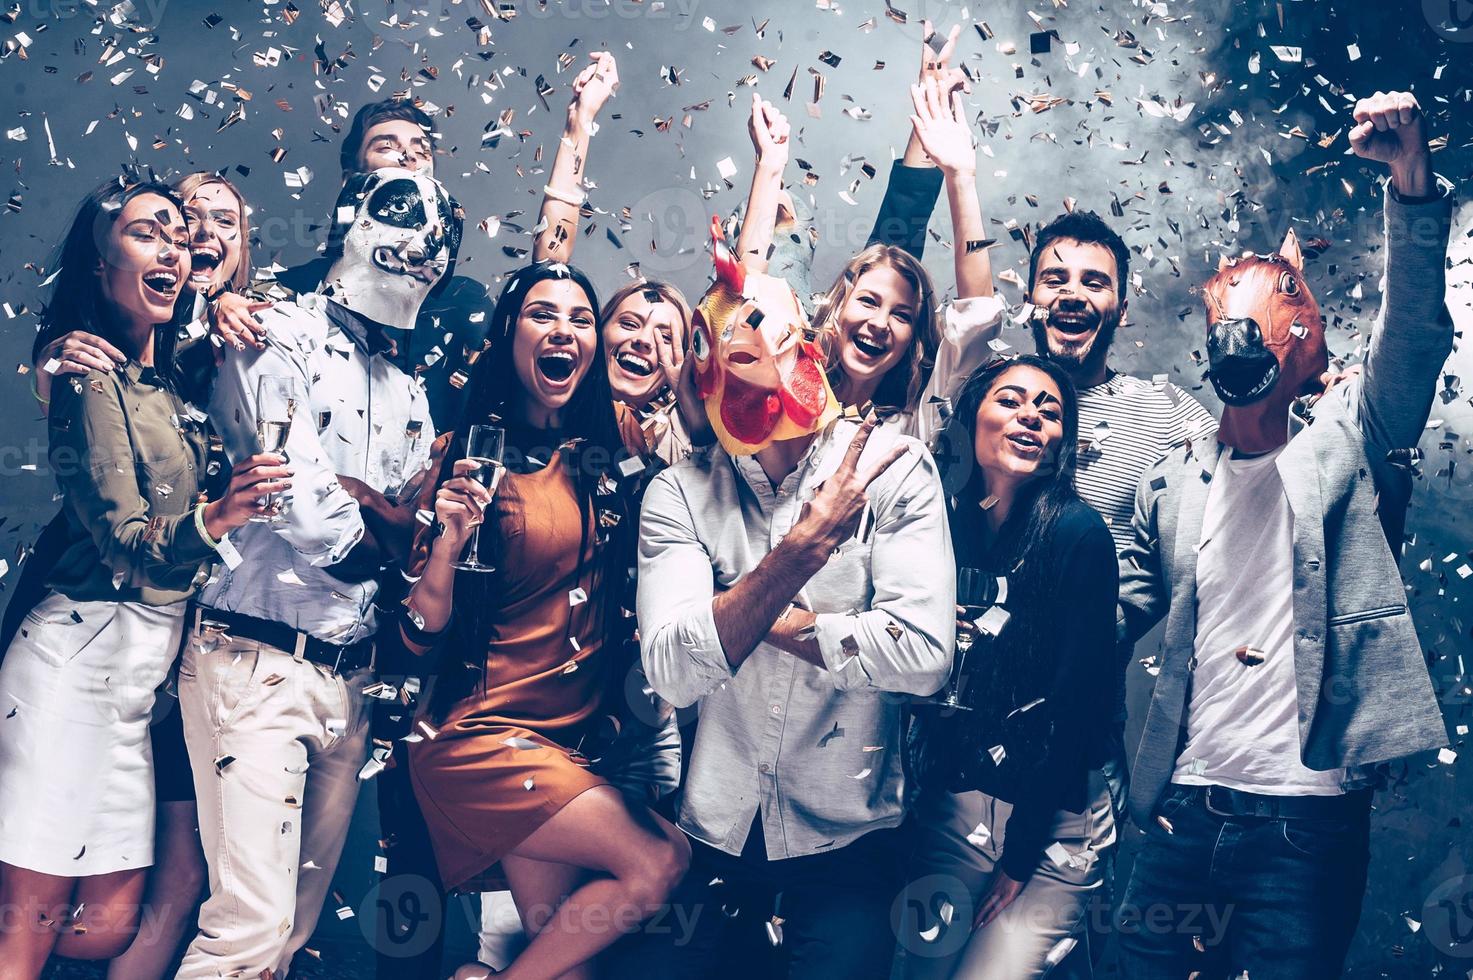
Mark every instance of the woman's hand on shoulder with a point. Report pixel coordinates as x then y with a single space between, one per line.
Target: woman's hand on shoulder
233 319
77 352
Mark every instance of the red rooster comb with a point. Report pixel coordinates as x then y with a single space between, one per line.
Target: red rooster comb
728 269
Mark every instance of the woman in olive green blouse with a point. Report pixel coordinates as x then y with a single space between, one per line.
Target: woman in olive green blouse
78 681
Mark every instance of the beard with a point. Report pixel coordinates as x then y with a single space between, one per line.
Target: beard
1083 353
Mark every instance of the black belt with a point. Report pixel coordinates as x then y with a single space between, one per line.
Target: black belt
339 658
1226 802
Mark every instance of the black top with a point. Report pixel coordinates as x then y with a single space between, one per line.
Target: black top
910 197
1056 744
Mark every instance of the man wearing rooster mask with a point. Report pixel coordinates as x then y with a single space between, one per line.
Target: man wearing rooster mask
1290 664
778 588
272 680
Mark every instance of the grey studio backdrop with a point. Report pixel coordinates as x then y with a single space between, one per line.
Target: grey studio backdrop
1203 128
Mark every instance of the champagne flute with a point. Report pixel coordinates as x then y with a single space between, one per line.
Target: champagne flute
276 403
484 445
975 591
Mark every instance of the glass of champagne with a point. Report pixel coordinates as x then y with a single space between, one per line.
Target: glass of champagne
484 445
276 403
973 594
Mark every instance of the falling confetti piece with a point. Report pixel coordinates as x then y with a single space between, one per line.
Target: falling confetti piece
1248 656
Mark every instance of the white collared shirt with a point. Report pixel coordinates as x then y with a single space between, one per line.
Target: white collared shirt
363 418
817 751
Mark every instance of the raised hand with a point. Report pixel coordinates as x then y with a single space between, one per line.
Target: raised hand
594 86
1390 129
460 505
831 517
680 375
940 125
768 128
937 64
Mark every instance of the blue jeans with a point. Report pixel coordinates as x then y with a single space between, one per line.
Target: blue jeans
1279 898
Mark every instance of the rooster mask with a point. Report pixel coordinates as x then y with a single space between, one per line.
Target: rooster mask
757 370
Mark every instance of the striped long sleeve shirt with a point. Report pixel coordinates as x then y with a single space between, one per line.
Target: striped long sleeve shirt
1125 426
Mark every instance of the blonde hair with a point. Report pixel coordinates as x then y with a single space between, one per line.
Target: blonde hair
666 291
186 186
902 385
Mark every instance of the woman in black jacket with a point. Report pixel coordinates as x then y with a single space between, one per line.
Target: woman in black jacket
1013 810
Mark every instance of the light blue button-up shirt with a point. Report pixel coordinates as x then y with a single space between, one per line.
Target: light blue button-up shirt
817 751
364 418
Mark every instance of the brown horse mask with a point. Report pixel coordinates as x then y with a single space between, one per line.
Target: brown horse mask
1265 344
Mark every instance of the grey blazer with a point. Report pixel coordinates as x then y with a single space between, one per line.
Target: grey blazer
1364 691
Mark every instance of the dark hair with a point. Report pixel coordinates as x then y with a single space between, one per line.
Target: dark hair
77 301
1087 228
357 186
589 423
373 114
1021 665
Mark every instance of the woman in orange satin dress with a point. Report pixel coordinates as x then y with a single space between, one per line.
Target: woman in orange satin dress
526 651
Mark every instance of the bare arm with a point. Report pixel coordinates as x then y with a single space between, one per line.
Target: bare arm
793 633
563 196
768 128
460 505
747 612
76 352
940 123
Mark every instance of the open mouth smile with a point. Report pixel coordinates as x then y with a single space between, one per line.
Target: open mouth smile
1244 378
1073 324
557 365
162 282
1025 443
868 348
203 261
632 363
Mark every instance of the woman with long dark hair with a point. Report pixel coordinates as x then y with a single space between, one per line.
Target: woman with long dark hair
79 679
501 768
218 221
1013 808
219 227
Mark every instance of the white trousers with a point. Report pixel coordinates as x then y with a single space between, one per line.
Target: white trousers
961 840
275 745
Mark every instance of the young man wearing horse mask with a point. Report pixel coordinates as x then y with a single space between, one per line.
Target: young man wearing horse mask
272 680
1290 663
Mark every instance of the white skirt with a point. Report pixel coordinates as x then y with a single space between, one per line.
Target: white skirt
76 766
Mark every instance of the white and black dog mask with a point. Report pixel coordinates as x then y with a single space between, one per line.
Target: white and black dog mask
393 242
